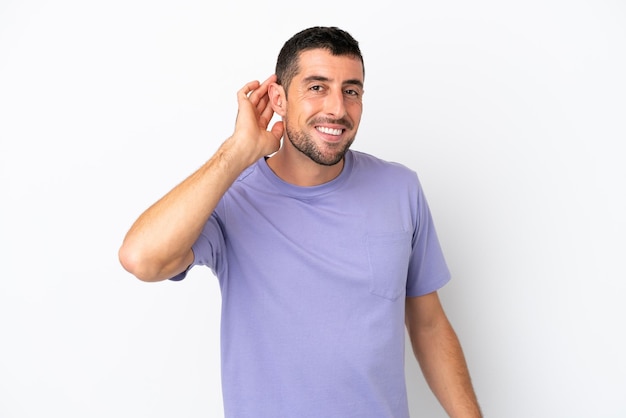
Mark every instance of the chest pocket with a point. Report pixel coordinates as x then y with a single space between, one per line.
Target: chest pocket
389 256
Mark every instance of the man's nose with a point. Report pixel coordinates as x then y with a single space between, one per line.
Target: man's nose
334 104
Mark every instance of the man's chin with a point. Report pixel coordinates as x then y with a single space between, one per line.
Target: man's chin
329 162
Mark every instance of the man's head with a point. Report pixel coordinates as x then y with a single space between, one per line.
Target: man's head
338 42
318 93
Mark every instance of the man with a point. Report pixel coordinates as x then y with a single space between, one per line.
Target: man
323 254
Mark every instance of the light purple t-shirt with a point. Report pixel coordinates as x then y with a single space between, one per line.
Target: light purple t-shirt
313 283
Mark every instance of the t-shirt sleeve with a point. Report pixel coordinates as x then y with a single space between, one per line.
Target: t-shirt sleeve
208 248
428 270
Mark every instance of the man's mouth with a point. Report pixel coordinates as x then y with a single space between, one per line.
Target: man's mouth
329 131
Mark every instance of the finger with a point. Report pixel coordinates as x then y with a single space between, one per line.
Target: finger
265 114
262 89
246 89
278 130
271 79
262 105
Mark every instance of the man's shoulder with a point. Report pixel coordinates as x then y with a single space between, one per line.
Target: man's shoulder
370 162
248 172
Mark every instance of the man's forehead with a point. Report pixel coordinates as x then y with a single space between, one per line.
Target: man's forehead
321 63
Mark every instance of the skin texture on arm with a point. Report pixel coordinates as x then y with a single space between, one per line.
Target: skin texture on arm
158 244
439 353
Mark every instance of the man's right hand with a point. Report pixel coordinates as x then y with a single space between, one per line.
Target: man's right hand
251 137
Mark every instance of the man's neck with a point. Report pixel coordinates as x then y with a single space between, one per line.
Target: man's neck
295 168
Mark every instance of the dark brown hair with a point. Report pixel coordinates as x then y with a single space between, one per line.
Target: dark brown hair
333 39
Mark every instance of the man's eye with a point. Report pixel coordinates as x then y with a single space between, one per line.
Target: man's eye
316 88
352 92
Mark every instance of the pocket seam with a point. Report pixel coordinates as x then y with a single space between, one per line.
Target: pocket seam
386 281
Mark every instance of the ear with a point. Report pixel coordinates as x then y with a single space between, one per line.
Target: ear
276 94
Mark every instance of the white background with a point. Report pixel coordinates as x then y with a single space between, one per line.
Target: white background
513 114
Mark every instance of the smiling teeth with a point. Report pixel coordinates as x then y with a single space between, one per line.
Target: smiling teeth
329 130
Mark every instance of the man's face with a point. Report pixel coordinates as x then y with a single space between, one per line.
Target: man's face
324 105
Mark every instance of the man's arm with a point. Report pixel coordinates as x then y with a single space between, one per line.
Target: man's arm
158 244
439 353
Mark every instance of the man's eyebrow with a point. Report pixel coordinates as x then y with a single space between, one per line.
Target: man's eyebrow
352 82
